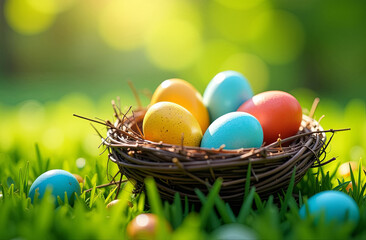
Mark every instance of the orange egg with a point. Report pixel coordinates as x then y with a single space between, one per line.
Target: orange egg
349 187
184 94
144 226
79 178
279 114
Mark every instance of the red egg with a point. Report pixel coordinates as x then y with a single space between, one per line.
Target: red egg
279 114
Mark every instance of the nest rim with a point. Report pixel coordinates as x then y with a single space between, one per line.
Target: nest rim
178 168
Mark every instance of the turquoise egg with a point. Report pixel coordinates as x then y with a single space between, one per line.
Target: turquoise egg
233 231
58 181
225 93
336 206
235 130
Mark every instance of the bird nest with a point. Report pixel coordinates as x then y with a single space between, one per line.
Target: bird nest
182 169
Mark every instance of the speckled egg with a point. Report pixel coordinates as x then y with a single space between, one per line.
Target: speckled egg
184 94
225 93
335 205
234 130
59 181
169 122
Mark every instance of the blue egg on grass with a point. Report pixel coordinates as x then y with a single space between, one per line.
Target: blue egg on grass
336 206
225 93
235 130
233 231
59 181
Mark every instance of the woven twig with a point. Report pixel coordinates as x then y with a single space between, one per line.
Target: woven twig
182 169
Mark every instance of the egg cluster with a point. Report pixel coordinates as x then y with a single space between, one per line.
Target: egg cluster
228 115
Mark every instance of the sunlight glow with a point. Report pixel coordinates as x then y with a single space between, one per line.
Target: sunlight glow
240 4
123 23
174 45
23 18
277 36
253 67
51 6
212 58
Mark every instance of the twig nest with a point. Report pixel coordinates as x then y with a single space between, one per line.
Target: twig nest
181 169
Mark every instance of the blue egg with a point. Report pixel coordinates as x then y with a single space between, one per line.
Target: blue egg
233 231
59 182
225 93
335 205
235 130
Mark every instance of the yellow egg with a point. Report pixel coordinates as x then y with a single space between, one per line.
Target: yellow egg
344 170
183 93
169 122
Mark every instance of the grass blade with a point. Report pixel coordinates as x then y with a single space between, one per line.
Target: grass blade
156 207
177 211
213 219
288 194
223 210
246 207
247 180
208 205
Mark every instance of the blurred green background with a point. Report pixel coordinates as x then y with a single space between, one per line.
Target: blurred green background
59 57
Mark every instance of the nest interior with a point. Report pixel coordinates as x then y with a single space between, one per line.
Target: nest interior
182 169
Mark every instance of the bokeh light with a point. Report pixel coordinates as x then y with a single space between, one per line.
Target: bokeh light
240 4
80 162
254 69
174 44
212 58
24 18
51 6
53 138
31 116
277 36
123 23
235 23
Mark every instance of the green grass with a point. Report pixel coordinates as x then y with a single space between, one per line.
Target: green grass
22 160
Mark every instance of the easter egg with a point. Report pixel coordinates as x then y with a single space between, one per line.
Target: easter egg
113 203
344 169
336 206
58 181
349 187
233 231
169 122
235 130
279 114
144 226
184 94
79 178
225 93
